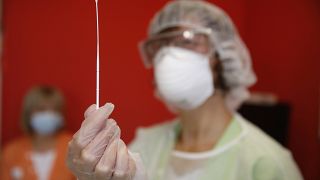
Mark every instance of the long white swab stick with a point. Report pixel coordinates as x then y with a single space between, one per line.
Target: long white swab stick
98 59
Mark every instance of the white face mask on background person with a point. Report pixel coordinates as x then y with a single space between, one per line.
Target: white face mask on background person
184 78
46 122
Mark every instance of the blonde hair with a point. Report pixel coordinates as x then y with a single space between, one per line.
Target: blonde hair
33 100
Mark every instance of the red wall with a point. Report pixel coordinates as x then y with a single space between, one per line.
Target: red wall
53 42
285 43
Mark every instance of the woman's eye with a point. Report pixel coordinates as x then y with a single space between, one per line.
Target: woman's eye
190 43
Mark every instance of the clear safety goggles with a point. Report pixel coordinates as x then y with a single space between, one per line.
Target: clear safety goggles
195 40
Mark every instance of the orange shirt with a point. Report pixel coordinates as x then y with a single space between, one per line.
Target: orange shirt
16 158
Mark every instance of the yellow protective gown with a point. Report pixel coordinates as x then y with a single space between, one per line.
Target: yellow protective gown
244 152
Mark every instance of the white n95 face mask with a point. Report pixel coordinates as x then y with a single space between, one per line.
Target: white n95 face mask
184 78
46 122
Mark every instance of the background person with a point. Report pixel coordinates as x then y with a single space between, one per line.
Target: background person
40 153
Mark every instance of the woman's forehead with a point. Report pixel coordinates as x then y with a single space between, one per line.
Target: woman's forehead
46 103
